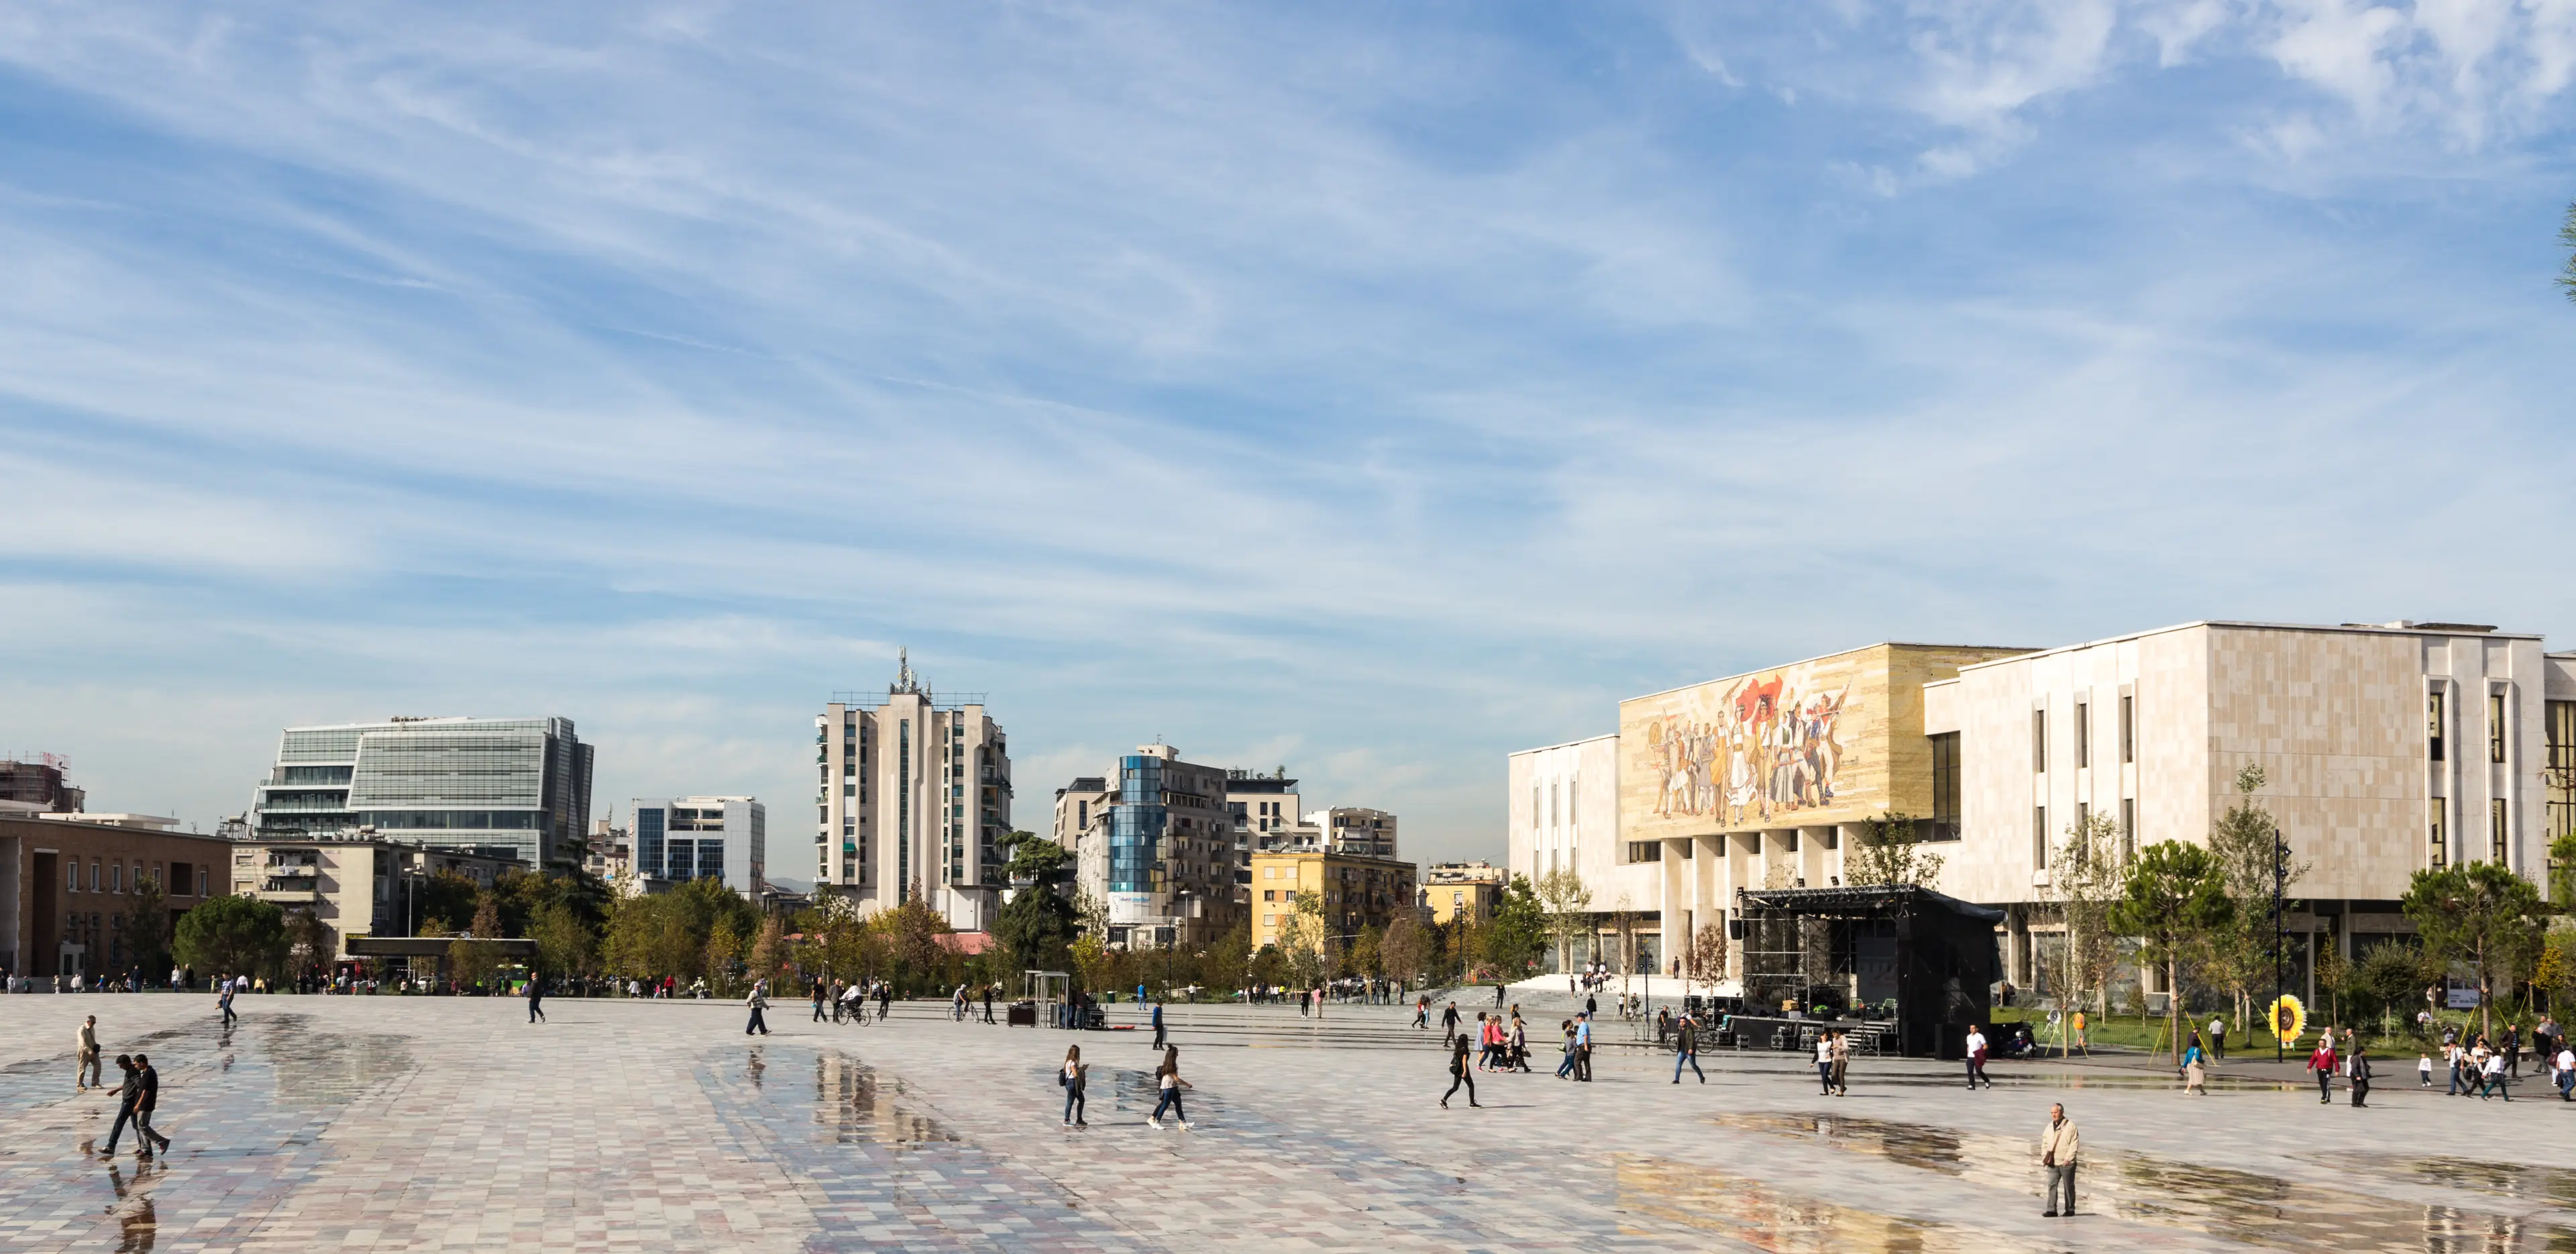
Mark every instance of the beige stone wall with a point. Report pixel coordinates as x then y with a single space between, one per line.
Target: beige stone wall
2336 718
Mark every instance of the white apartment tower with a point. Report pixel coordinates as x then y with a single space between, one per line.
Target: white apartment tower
913 798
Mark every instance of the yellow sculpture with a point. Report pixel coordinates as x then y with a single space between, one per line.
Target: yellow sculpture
2289 1019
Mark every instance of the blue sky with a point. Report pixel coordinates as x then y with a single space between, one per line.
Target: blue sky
1370 391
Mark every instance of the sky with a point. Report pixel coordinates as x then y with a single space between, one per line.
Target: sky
1369 390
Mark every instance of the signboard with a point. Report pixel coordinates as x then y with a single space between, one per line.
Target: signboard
2463 999
1131 908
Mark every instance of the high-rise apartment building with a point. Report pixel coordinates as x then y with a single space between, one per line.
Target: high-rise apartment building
1160 849
673 840
912 801
517 786
1356 831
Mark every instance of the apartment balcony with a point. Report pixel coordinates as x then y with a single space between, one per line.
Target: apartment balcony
291 870
289 890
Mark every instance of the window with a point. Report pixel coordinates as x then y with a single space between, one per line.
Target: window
116 874
1645 851
2440 830
2084 829
2039 742
2495 727
2128 828
71 877
2495 830
1792 845
1945 785
2083 735
1270 894
1555 804
2128 728
2433 724
2559 724
2039 837
1269 873
1535 812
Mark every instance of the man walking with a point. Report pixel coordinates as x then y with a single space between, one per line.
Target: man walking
224 1002
988 1002
1977 1059
85 1070
1448 1023
758 1001
821 995
2058 1150
2359 1071
1842 1063
1689 1052
2322 1063
1583 1047
150 1085
1158 1025
128 1093
536 998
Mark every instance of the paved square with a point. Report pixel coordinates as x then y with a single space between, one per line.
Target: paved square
357 1123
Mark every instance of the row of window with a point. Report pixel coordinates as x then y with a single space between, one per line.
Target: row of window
2437 726
2080 831
1559 806
112 877
2083 736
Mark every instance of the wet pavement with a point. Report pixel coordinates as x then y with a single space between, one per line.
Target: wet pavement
419 1124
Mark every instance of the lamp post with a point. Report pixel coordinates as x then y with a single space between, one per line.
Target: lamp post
2280 938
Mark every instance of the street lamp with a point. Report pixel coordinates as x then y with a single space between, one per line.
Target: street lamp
2280 938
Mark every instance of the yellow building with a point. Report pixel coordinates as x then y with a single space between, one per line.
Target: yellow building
1473 889
1357 892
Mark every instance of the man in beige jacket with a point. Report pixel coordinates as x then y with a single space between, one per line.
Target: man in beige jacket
85 1069
2058 1151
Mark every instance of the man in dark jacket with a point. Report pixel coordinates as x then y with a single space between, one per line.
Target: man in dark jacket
2360 1073
128 1092
148 1088
1689 1052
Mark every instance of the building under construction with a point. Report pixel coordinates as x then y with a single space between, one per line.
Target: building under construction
39 783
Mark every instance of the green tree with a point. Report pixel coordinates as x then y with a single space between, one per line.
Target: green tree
1404 949
2173 899
447 899
1567 903
147 924
564 945
309 942
233 936
1516 934
2243 955
2480 915
1303 941
1362 957
768 949
1038 923
2085 878
1229 960
2562 871
911 933
1889 850
474 956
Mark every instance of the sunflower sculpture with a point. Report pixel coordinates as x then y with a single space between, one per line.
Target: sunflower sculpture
2289 1019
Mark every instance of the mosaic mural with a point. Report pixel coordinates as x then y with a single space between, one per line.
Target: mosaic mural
1767 747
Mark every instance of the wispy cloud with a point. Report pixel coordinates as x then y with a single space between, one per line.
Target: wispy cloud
1369 392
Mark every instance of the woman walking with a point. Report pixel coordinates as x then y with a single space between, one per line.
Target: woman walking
1072 1079
1459 1073
2195 1076
1169 1078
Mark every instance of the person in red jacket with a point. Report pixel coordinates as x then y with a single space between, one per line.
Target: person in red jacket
2322 1062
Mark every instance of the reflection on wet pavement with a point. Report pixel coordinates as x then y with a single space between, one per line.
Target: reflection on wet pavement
2228 1203
2504 1179
855 1106
1706 1198
877 1167
245 1109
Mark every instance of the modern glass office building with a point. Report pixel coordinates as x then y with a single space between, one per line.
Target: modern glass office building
678 839
520 786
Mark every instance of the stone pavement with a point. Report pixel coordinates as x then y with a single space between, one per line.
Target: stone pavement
436 1123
